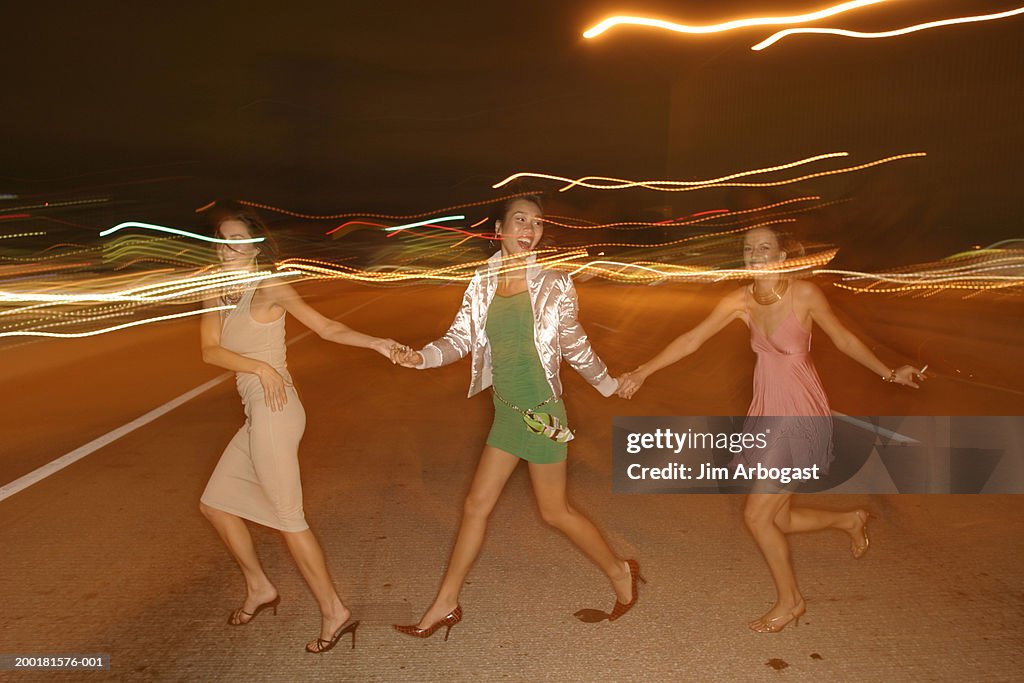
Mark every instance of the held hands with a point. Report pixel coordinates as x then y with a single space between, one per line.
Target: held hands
629 384
385 347
406 357
273 388
905 375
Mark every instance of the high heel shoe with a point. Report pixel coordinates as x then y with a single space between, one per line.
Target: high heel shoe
634 575
449 620
859 550
325 645
776 624
235 618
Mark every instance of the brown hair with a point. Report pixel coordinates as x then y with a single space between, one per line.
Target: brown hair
230 211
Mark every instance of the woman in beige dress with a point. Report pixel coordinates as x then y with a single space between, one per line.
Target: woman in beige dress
257 477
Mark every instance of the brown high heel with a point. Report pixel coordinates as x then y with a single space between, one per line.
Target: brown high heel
325 645
235 618
449 620
776 624
634 575
860 550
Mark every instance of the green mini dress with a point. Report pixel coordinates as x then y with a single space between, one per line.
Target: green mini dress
519 377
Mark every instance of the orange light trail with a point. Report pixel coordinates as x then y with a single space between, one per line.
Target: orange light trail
700 185
984 269
703 216
93 333
775 37
608 23
621 184
338 216
641 273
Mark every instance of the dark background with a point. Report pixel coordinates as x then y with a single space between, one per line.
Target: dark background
402 107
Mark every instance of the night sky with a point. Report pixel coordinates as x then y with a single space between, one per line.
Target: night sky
393 106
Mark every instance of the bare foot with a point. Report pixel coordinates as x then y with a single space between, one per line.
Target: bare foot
256 599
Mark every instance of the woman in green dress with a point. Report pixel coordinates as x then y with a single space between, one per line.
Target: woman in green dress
518 322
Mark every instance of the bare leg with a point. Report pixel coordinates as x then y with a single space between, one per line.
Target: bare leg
798 520
759 514
495 467
549 488
309 557
236 537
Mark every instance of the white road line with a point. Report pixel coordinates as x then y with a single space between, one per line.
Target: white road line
868 426
63 461
37 475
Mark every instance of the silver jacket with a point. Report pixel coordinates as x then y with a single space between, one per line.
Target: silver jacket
556 332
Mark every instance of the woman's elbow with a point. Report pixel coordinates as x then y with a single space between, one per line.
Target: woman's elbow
208 354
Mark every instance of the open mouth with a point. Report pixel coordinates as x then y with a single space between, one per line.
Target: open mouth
525 243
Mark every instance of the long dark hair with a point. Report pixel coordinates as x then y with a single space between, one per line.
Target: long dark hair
222 212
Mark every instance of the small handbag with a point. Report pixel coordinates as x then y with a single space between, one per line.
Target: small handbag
543 424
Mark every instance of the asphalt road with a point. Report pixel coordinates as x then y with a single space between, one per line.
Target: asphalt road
110 555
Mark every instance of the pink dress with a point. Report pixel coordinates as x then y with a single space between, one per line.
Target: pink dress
788 398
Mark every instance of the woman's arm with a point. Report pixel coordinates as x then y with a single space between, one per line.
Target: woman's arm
284 295
728 309
575 345
454 345
811 296
215 354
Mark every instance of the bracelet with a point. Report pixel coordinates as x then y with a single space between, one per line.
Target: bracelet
891 377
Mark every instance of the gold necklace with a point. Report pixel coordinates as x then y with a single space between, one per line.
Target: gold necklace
231 294
771 298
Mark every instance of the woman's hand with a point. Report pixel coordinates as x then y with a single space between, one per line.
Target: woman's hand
385 347
273 388
406 357
905 375
629 384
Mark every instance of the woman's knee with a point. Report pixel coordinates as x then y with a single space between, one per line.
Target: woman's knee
758 517
477 507
208 512
558 516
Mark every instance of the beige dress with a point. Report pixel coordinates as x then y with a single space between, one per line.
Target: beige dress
257 477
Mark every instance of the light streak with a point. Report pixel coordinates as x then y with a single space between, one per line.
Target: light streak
176 231
775 37
21 234
52 205
608 23
701 185
701 217
93 333
621 184
981 270
444 219
669 271
335 216
153 293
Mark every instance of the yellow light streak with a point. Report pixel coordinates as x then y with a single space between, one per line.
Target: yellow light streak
21 234
636 225
689 186
93 333
622 184
335 216
775 37
608 23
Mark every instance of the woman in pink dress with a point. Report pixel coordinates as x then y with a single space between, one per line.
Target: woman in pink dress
789 398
